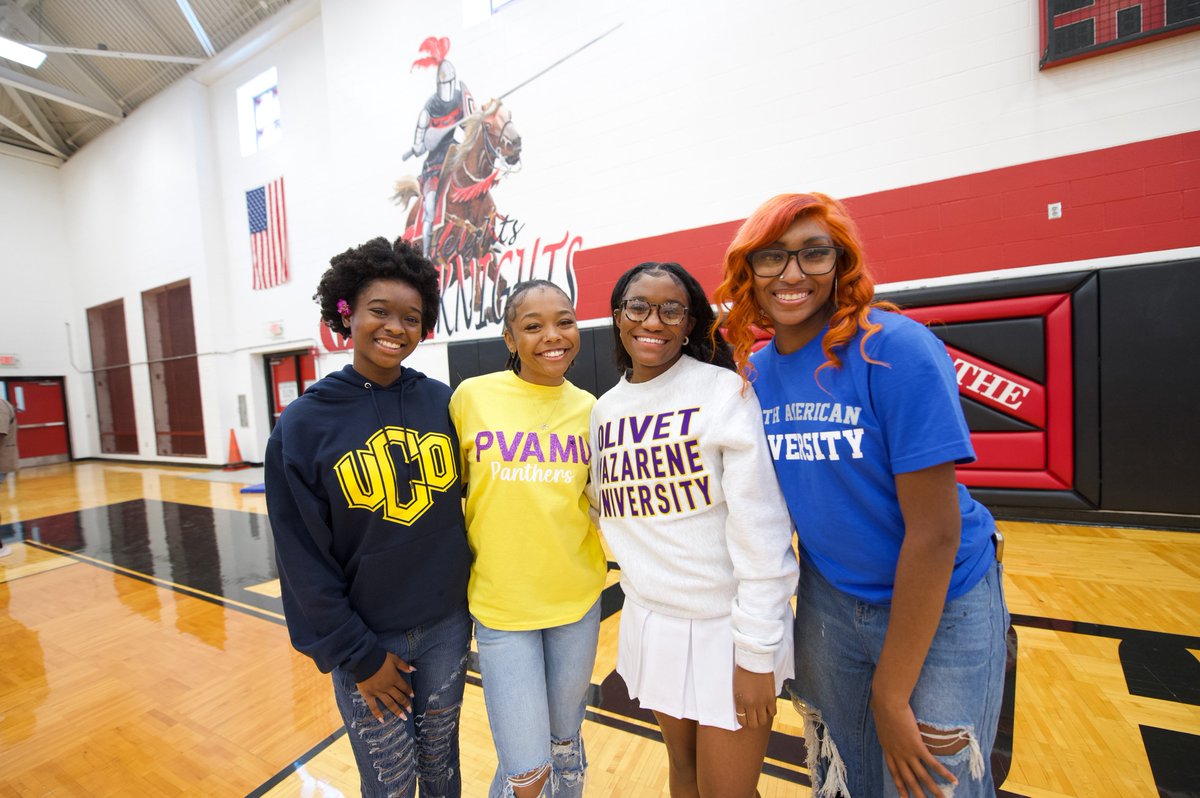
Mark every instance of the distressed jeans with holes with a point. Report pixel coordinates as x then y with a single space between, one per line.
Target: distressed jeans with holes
395 756
535 686
838 643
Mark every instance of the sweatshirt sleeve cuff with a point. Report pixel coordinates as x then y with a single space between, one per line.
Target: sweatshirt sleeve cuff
369 665
755 662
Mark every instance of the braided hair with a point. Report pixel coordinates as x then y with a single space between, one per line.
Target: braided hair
510 313
705 344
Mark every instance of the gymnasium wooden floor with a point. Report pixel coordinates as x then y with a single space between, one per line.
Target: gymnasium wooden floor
143 652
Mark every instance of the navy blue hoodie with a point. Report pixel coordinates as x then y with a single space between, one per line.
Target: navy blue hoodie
365 501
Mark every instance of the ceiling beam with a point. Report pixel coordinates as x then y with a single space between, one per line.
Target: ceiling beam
29 155
45 145
171 59
99 107
197 28
34 114
79 73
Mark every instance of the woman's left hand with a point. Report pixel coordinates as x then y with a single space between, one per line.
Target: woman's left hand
753 698
908 759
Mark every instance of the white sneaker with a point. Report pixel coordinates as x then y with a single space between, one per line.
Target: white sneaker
5 549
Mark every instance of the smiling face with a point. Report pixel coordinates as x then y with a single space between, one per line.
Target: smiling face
653 346
797 304
543 333
386 327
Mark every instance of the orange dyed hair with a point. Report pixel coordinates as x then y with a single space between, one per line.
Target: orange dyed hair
855 294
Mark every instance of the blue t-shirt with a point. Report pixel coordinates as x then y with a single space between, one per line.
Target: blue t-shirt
838 445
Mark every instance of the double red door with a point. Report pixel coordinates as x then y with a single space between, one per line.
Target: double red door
41 419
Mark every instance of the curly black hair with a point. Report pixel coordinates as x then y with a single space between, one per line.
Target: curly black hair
705 343
350 272
510 313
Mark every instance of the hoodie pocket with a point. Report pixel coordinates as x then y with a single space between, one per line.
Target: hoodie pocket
412 583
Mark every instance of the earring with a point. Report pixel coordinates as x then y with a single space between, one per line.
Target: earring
685 340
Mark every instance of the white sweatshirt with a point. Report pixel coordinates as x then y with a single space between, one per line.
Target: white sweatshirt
688 502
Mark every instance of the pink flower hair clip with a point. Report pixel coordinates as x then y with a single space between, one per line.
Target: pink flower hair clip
343 307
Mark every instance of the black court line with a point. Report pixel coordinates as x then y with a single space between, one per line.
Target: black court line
304 759
222 601
1103 630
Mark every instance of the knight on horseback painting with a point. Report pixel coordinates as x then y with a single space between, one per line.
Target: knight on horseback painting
467 151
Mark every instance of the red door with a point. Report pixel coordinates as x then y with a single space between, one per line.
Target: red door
289 374
41 420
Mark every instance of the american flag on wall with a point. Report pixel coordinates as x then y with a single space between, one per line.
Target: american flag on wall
268 234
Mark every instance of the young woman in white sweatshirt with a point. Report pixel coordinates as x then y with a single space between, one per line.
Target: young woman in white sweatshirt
681 480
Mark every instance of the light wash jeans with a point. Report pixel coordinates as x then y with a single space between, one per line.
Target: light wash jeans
838 641
535 686
395 755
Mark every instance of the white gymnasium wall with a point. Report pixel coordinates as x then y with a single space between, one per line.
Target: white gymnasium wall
162 198
685 114
140 213
38 296
692 112
302 158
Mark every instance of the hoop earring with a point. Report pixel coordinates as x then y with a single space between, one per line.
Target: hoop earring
685 340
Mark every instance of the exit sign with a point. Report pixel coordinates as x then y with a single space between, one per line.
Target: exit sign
8 360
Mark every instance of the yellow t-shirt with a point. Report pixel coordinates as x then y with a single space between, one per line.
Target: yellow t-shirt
525 450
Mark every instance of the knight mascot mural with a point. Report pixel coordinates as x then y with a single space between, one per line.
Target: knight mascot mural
467 151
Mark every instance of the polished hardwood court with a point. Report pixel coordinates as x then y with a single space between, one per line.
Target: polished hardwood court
143 652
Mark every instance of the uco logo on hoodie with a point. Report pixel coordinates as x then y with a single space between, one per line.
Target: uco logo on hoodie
368 476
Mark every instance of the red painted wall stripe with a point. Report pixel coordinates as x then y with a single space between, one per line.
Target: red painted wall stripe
1117 201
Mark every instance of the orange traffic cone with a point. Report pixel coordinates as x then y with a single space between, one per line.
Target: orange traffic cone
235 455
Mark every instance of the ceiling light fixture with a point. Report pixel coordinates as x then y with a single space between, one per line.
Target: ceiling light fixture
15 51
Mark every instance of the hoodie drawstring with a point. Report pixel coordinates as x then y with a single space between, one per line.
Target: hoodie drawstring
396 466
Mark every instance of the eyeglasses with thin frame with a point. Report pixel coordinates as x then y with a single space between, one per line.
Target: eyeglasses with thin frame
670 313
813 261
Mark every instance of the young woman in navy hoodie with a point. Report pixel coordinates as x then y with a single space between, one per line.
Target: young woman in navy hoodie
365 505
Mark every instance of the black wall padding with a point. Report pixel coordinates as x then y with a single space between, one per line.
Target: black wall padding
1085 321
473 358
981 418
1013 344
1150 387
992 289
1032 502
1135 335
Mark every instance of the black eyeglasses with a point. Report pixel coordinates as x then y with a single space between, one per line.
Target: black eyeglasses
813 261
670 313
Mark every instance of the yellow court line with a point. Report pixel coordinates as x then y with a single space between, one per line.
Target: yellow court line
11 570
623 718
186 589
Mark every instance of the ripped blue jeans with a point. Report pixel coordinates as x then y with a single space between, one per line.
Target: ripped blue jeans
396 755
535 686
838 642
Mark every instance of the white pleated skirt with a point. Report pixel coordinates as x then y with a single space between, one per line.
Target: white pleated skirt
684 668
